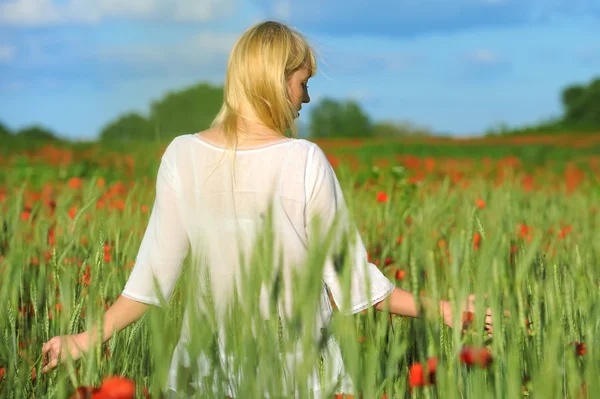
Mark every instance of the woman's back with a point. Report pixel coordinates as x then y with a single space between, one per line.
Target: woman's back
202 203
219 207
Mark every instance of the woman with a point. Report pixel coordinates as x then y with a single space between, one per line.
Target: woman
207 201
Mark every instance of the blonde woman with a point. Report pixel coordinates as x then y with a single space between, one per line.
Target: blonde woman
206 200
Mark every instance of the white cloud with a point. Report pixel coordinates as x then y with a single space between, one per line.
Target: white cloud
29 12
85 11
205 48
45 12
7 53
199 10
484 57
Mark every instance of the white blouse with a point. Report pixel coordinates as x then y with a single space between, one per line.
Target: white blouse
198 205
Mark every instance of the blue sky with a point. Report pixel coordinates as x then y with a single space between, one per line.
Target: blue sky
455 66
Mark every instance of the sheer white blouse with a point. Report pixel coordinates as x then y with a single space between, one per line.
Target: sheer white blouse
199 206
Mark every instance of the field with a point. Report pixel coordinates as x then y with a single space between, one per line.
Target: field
512 220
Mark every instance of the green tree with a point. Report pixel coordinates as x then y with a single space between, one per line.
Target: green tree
128 127
582 104
399 129
4 131
186 111
581 113
331 119
36 132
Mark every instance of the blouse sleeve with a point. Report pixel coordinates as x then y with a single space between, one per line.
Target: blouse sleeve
325 202
164 245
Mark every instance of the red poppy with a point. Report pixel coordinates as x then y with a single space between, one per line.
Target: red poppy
111 388
476 241
564 231
87 276
475 356
416 375
400 274
580 348
467 319
25 214
480 203
51 237
118 387
75 182
382 197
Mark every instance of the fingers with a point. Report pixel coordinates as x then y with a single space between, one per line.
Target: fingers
489 322
51 350
488 313
50 365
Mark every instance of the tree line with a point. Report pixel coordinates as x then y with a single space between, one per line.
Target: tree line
581 113
193 109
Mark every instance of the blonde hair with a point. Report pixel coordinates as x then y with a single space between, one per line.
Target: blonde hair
259 66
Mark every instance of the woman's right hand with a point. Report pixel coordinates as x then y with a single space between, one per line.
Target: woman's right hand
121 314
62 347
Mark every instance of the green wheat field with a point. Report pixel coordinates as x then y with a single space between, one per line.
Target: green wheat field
517 228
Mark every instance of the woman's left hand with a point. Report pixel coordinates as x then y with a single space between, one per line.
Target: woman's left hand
468 313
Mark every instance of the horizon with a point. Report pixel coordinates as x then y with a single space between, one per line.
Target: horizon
459 70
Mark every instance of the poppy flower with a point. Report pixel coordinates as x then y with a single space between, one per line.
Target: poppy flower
416 375
480 203
118 387
75 182
400 274
382 197
476 241
467 320
111 388
475 356
51 237
580 348
26 214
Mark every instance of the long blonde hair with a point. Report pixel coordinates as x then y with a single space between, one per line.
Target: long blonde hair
259 65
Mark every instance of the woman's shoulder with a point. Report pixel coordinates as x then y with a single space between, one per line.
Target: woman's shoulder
312 148
181 141
315 152
304 148
176 148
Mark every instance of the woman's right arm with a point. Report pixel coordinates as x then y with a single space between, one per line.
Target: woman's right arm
159 260
121 314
